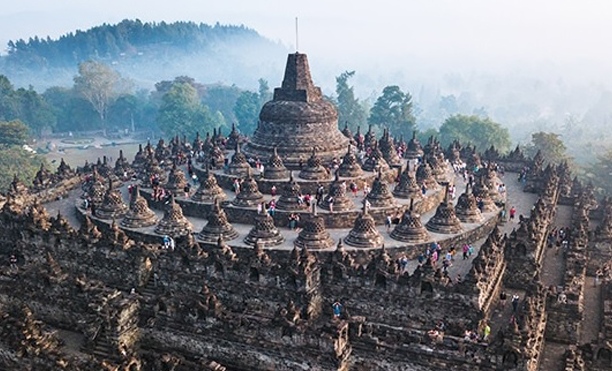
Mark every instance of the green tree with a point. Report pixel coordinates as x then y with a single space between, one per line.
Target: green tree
551 146
182 113
35 111
247 109
481 132
264 91
350 109
393 109
13 133
99 85
125 112
600 173
15 160
73 112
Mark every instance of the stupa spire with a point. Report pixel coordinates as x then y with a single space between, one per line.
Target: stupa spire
297 84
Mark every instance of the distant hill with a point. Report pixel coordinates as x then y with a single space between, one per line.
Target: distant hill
147 53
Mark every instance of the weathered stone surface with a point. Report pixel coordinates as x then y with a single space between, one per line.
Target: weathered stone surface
217 227
407 187
297 119
387 147
176 180
239 165
414 150
112 206
314 235
209 190
264 232
410 229
375 161
174 223
364 233
349 167
380 195
467 208
314 169
337 199
275 168
139 214
445 220
290 196
249 195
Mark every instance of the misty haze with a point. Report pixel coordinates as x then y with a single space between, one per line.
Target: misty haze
280 185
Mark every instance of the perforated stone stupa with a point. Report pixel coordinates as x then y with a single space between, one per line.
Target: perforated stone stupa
445 220
349 167
407 186
410 229
264 232
337 196
218 226
275 168
297 119
209 189
139 215
364 233
314 235
249 193
239 165
290 196
380 196
174 223
112 206
467 207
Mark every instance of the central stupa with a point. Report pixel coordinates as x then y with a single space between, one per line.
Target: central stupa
297 119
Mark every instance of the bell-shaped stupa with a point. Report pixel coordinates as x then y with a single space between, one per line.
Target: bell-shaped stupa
297 119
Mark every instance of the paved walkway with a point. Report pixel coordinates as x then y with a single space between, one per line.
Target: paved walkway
515 197
553 269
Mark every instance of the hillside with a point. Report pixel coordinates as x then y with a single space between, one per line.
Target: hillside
147 53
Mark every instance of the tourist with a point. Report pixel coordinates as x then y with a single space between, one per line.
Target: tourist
236 186
515 302
388 222
187 190
307 199
366 190
470 250
562 298
486 332
293 220
320 192
273 191
337 308
403 263
512 213
166 240
423 189
502 300
465 249
353 187
272 207
330 203
194 179
597 278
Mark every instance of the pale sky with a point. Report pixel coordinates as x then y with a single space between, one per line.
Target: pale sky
445 29
565 38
